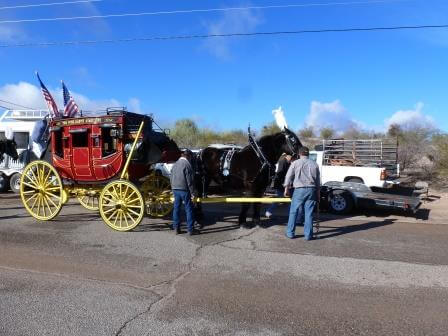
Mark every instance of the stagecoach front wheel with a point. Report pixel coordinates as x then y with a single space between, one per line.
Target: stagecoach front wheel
41 190
121 205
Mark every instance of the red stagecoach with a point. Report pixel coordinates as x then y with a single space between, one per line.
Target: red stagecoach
105 161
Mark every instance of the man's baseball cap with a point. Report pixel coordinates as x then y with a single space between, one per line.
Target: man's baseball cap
186 151
304 151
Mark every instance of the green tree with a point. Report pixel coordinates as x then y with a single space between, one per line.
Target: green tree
440 142
270 129
186 133
394 131
327 133
306 132
414 143
354 133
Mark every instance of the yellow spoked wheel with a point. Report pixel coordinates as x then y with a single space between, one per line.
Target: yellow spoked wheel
90 202
121 205
41 190
157 192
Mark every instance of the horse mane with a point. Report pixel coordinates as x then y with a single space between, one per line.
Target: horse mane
271 139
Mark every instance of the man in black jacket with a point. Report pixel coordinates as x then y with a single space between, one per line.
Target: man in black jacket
280 173
182 184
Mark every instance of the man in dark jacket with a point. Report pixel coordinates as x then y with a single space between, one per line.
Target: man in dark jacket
280 173
182 184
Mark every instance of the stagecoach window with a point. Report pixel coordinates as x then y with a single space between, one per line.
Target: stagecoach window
57 139
2 136
80 139
109 142
21 139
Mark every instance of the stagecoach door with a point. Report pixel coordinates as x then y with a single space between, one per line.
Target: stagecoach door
81 152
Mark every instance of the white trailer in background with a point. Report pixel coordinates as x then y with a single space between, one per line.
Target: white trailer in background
21 123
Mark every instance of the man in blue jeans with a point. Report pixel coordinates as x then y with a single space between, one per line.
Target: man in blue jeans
182 184
304 176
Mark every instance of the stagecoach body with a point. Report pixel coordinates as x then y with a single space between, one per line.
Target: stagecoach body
106 162
94 149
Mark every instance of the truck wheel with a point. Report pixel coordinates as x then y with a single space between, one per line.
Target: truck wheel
14 183
341 202
355 180
3 183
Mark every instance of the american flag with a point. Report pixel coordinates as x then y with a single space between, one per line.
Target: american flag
71 109
52 107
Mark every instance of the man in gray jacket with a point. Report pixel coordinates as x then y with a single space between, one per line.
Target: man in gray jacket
182 184
304 176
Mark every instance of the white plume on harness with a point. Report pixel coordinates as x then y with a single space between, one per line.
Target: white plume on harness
9 135
280 119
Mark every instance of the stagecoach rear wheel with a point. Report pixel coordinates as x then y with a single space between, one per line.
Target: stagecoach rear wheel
89 201
157 193
41 190
121 205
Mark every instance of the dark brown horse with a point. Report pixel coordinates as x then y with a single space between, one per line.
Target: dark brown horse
248 172
8 147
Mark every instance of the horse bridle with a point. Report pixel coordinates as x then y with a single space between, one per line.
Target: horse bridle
291 141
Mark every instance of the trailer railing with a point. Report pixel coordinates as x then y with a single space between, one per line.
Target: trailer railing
363 153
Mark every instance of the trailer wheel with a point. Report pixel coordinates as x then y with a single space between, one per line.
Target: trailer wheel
341 202
14 183
3 183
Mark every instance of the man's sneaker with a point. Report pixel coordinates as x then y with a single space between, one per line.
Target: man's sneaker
268 214
178 230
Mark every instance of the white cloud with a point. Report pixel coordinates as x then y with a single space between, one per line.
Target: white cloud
24 94
11 34
242 21
332 114
29 95
411 118
134 105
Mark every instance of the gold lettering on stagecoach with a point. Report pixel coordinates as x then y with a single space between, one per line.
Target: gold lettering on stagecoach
80 121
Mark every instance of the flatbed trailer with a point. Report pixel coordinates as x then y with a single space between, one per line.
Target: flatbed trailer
343 197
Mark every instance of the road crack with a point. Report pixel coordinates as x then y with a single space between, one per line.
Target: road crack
173 283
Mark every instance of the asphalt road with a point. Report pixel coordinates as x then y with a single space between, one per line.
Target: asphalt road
75 276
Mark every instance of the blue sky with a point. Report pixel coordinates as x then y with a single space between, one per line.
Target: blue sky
332 79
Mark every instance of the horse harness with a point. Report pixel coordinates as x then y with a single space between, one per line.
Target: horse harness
226 161
265 164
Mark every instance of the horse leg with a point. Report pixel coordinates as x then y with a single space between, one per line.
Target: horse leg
202 188
256 215
243 215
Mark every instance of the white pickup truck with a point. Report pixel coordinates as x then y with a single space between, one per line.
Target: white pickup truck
370 162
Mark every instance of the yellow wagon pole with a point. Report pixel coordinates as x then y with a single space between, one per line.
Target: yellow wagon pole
128 160
266 200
